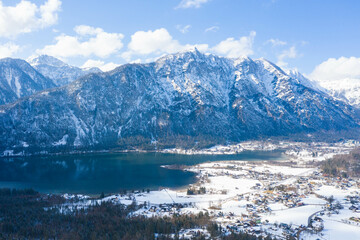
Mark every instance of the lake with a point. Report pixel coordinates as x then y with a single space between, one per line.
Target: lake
109 172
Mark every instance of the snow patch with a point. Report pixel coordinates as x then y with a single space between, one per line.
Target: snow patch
62 141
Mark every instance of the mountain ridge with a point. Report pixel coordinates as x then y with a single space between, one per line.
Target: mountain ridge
60 72
186 99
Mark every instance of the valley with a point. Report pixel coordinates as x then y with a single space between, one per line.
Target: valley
282 198
179 120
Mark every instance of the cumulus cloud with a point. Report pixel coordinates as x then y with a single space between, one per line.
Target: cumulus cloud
87 41
286 54
153 41
100 64
84 30
233 48
156 42
8 49
276 42
26 17
150 44
191 3
341 69
183 29
212 29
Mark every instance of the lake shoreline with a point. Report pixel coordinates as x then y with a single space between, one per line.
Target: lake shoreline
90 173
259 194
232 149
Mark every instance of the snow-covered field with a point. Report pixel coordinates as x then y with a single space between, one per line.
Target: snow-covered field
288 198
301 151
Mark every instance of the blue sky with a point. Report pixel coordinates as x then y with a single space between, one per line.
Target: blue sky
293 33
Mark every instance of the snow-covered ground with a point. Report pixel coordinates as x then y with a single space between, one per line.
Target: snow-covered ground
301 151
287 198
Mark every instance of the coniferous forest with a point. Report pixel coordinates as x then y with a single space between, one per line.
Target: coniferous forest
27 214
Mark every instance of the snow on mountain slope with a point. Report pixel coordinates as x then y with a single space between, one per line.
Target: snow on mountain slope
347 90
305 81
60 72
186 99
340 77
19 79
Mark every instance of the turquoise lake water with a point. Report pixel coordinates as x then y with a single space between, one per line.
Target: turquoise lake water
109 172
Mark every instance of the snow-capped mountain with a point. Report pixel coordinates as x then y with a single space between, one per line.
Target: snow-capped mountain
185 99
60 72
347 90
19 79
305 81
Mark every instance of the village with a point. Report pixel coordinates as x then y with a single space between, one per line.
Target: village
289 199
302 152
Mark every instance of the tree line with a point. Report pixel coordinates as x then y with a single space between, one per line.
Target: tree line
27 214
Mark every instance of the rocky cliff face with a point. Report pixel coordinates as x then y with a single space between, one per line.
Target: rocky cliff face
185 99
18 79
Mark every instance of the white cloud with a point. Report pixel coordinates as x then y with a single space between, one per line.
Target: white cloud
341 69
100 64
26 17
276 42
148 45
8 49
84 30
140 61
183 29
235 48
156 42
88 41
153 41
286 54
191 3
212 29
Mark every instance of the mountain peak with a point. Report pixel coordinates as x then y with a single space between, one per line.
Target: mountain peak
61 73
193 53
46 60
12 60
242 59
193 50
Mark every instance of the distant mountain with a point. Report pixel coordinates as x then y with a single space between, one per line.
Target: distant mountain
18 79
347 90
60 72
186 99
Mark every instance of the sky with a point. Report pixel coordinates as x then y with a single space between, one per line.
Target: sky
319 38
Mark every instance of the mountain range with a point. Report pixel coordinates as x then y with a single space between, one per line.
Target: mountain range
188 99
